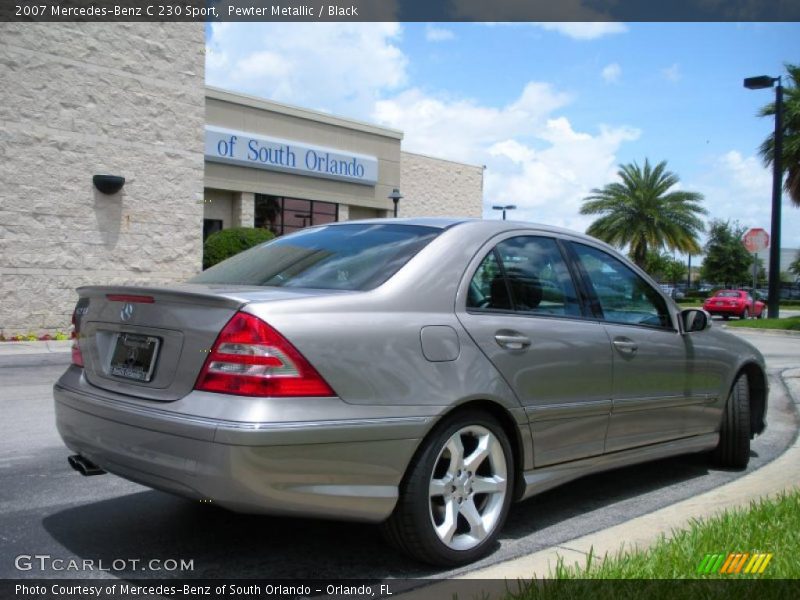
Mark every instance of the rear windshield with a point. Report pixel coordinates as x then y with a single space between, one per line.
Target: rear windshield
341 257
728 295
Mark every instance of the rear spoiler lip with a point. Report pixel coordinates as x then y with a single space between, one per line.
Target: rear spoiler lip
184 296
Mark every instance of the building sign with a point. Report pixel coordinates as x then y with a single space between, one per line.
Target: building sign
247 150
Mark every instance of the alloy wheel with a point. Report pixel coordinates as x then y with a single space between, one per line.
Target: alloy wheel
468 487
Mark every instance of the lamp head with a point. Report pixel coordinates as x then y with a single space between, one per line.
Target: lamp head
760 82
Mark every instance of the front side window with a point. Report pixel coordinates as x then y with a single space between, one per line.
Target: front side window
341 257
624 297
526 274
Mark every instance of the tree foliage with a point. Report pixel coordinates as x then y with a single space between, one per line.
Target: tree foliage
794 267
663 267
642 213
790 157
727 261
228 242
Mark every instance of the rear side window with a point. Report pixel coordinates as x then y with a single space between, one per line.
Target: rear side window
341 257
526 274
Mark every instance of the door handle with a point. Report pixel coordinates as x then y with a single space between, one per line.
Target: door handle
511 341
625 346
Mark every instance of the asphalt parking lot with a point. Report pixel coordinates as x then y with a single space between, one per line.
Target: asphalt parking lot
48 509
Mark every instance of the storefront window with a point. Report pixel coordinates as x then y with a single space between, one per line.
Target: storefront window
211 226
287 215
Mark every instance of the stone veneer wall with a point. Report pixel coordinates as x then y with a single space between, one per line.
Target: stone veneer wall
433 187
80 99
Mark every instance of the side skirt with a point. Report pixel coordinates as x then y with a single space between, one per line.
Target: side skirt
545 478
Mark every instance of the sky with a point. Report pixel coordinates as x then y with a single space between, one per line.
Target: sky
551 109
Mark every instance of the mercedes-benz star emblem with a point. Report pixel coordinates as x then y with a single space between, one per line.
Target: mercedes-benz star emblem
127 312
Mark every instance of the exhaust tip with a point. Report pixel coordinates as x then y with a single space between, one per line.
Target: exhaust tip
84 466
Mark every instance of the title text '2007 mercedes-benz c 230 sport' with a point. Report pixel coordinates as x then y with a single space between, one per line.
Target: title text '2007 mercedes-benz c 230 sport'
418 373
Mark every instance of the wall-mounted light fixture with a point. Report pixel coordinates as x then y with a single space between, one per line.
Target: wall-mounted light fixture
108 184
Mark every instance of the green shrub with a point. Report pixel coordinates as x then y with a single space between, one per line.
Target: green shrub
228 242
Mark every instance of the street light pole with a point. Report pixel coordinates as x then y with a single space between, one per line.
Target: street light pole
773 300
773 307
504 208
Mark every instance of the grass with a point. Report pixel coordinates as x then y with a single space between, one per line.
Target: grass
767 526
788 323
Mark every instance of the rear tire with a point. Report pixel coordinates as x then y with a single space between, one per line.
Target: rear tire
456 493
733 450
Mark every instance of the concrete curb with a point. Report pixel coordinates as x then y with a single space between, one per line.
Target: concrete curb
17 348
780 475
784 332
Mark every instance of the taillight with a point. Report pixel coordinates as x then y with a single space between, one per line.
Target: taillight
250 358
77 357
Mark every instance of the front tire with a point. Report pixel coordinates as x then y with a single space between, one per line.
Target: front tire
456 494
745 315
733 450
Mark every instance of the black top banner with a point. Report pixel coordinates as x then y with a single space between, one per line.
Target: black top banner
400 10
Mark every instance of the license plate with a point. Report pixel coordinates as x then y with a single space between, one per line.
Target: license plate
134 356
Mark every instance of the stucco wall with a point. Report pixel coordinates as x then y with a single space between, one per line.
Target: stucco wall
80 99
432 187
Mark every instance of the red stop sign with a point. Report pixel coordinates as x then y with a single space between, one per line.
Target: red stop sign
756 239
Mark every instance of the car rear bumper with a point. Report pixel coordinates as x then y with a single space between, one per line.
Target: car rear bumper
343 469
732 311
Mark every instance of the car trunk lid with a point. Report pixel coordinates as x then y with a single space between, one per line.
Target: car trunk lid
152 342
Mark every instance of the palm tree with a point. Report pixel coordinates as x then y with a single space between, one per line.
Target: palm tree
642 213
790 161
795 266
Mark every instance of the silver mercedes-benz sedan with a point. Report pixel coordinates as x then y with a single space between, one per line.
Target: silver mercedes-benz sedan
419 373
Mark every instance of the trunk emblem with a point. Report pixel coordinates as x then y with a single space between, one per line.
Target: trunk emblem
127 312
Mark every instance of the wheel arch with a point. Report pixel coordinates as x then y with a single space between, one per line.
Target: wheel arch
506 421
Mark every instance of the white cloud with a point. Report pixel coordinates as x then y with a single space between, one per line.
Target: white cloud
585 31
549 185
611 73
747 173
339 67
672 73
739 188
461 129
535 159
438 34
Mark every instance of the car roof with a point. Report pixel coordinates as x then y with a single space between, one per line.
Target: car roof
489 226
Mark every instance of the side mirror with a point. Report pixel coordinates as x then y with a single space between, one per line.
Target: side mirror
693 319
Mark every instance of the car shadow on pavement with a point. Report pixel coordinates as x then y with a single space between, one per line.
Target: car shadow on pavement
598 492
153 525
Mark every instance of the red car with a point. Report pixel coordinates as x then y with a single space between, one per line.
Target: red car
734 303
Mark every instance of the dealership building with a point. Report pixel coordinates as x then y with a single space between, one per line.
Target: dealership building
130 100
284 168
